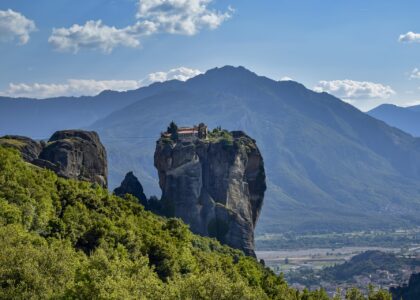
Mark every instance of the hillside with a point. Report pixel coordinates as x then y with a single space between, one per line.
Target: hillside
68 239
370 267
404 118
329 166
365 264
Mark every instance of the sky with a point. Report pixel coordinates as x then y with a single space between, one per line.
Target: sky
364 52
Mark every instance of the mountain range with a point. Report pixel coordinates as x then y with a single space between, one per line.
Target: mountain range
329 166
404 118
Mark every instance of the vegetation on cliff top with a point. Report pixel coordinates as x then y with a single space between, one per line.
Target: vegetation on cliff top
70 239
221 135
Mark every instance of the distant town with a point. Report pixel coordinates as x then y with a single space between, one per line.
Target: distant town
388 264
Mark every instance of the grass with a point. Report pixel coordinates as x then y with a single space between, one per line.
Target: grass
12 143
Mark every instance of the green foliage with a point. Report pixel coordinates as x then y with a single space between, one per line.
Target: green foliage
32 193
355 294
13 143
64 239
378 295
221 135
32 267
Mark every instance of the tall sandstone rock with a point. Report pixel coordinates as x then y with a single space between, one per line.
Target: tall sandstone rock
74 154
215 185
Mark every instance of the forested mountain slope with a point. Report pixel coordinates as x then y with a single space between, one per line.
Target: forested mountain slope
329 166
66 239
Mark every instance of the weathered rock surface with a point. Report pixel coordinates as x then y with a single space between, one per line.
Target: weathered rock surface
131 185
72 154
216 186
77 154
29 148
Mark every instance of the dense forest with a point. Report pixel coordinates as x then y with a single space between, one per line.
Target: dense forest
66 239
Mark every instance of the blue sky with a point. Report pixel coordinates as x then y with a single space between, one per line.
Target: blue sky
349 48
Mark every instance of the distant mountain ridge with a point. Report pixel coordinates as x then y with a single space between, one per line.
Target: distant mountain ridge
404 118
39 118
329 166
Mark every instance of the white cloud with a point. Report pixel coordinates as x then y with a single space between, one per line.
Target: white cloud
410 37
351 91
186 17
415 74
286 78
73 87
96 35
15 26
79 87
181 16
181 73
410 103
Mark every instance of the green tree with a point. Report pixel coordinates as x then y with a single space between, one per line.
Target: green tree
173 131
354 294
65 239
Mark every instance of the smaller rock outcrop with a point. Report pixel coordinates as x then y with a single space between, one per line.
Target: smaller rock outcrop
131 185
75 154
29 148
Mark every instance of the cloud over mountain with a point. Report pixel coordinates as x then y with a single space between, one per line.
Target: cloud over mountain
15 26
181 73
90 87
185 17
351 90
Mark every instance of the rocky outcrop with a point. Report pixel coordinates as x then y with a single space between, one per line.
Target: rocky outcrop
29 148
77 154
72 154
131 185
216 185
410 291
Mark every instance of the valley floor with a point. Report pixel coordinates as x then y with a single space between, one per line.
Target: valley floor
304 266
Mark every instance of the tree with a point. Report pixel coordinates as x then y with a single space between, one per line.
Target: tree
173 130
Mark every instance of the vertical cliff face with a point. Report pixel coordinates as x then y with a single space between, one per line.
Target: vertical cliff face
75 154
215 185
